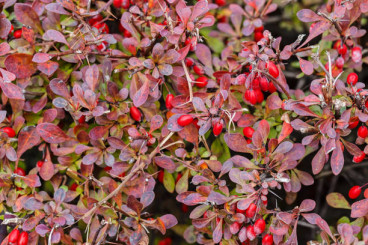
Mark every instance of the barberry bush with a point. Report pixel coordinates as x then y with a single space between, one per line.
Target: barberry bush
183 122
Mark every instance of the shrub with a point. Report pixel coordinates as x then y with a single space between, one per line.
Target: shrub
115 113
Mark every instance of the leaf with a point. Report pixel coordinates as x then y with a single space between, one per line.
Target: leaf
156 123
319 28
285 131
27 16
21 65
306 66
182 184
337 200
307 15
337 159
147 198
99 132
236 142
307 205
204 54
169 220
217 198
48 68
165 163
142 94
41 57
217 233
91 77
56 8
47 170
324 226
55 36
12 91
169 182
27 138
32 204
31 222
318 161
4 48
51 133
359 208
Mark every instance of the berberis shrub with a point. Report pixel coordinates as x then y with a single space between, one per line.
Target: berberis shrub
183 122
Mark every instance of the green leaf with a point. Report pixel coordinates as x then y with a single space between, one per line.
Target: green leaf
169 182
337 200
220 149
182 184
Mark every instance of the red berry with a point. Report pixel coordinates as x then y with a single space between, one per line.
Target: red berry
185 120
248 132
168 101
184 208
13 236
353 122
340 62
259 29
195 122
178 177
258 36
250 232
125 4
102 46
354 192
166 241
267 239
201 82
239 210
263 84
23 238
101 27
40 163
259 95
250 96
189 62
95 19
352 78
217 128
356 54
271 88
259 226
198 70
18 33
235 227
272 69
9 131
220 2
116 3
127 33
73 187
135 113
363 132
82 119
342 49
311 26
251 210
11 29
20 171
366 193
358 159
160 176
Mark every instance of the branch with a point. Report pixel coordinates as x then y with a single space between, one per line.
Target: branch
350 167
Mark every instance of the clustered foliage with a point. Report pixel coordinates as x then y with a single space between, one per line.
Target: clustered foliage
103 102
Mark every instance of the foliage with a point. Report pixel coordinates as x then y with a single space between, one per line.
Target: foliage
103 102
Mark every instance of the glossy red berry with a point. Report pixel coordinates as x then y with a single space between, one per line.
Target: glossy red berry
178 177
23 238
340 62
198 70
125 4
160 176
267 239
263 84
220 2
184 208
82 119
201 82
250 96
189 62
363 132
259 226
20 171
235 227
342 49
352 78
217 128
166 241
101 27
13 236
360 158
102 46
354 192
135 113
251 210
272 69
18 33
259 95
168 101
9 131
258 36
250 233
95 19
40 163
11 29
185 120
271 88
117 3
127 34
356 54
248 132
365 193
259 29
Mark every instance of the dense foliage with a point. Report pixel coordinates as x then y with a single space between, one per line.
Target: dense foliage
110 109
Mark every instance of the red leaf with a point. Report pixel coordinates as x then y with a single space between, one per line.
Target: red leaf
359 208
156 122
307 15
55 36
318 161
4 48
41 57
27 16
27 138
285 131
48 67
12 91
236 142
51 133
91 77
337 159
141 96
21 65
165 163
306 66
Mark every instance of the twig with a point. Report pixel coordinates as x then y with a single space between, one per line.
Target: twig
50 236
328 173
277 83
